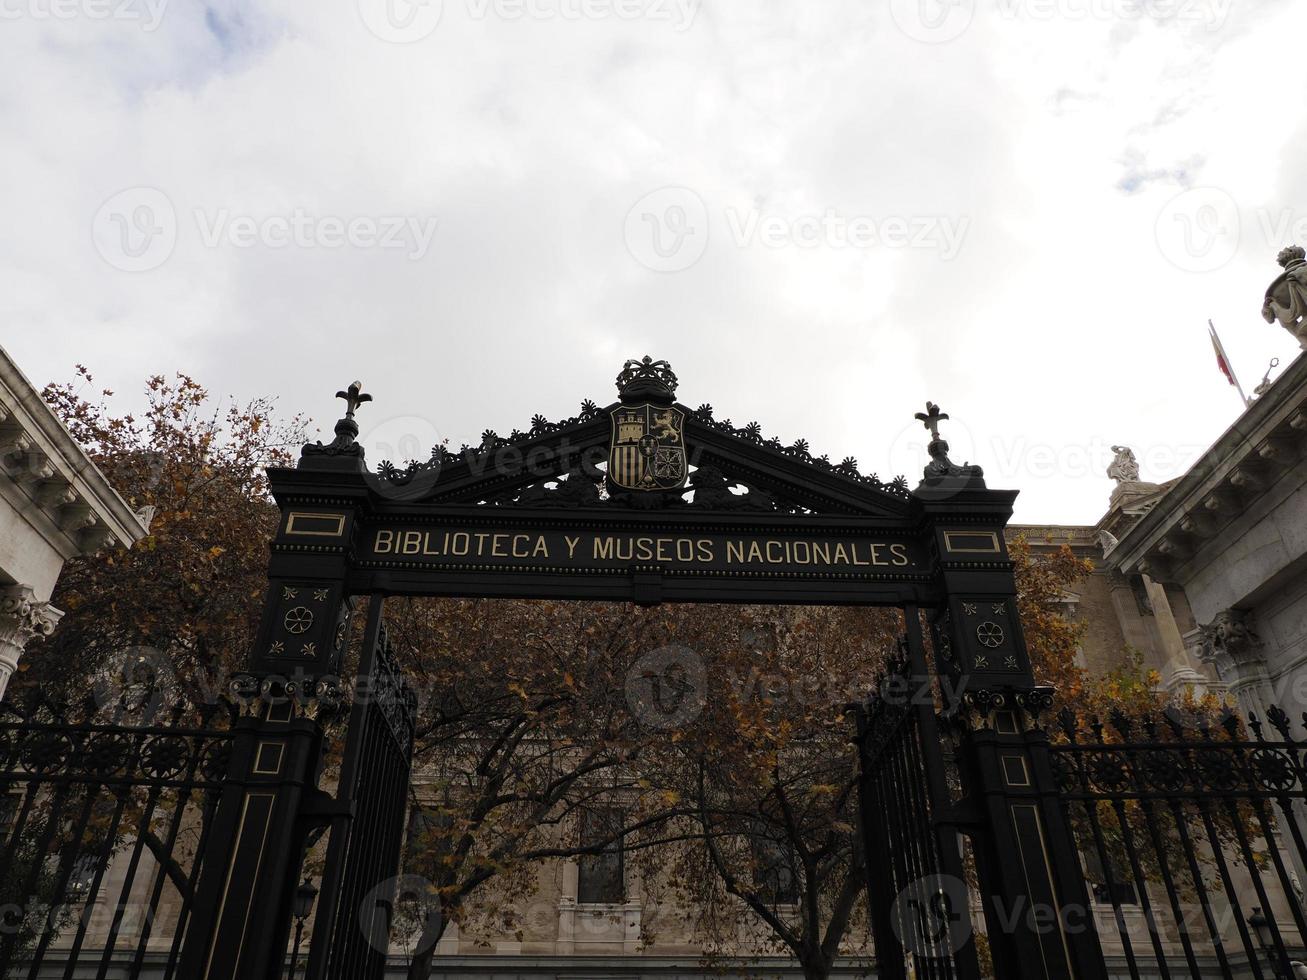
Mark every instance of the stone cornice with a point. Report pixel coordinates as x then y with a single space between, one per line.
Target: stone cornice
45 474
1267 441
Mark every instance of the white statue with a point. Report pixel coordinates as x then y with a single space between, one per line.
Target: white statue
1286 298
1124 468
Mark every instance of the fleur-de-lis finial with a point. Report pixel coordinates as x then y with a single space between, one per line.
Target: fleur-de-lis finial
354 397
931 418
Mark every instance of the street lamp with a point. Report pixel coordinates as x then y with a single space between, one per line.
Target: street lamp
305 895
1261 927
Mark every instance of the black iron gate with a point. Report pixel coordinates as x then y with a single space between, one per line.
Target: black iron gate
352 925
1190 829
918 902
103 827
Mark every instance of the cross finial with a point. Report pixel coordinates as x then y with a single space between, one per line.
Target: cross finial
354 397
931 418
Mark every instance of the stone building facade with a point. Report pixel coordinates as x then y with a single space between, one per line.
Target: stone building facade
54 505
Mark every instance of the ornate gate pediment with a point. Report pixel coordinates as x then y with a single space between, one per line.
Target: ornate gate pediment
710 464
644 500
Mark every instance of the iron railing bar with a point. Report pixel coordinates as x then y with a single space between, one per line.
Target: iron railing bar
39 855
187 898
101 868
1200 886
1150 918
129 879
1168 883
160 878
1109 876
1286 883
1256 876
56 898
1231 894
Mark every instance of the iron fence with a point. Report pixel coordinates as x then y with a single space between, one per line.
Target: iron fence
101 826
1191 837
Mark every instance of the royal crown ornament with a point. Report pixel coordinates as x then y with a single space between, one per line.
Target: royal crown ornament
647 380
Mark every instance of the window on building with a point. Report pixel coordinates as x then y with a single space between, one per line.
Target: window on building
774 871
1109 889
601 877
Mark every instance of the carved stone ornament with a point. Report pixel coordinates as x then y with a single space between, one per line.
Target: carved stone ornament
347 430
1229 642
23 616
941 470
1124 468
1286 298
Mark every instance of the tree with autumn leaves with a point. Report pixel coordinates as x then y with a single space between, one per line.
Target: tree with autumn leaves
717 733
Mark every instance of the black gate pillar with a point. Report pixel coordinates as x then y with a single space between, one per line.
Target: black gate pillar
241 915
1037 911
251 863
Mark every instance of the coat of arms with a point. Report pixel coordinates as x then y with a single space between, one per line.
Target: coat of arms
647 450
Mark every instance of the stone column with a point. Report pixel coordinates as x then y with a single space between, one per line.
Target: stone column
1230 644
1179 672
22 616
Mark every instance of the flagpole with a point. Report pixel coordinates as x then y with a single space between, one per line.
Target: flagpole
1224 360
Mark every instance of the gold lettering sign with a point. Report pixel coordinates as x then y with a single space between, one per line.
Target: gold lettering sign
602 549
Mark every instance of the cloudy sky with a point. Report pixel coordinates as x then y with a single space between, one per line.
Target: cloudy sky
822 214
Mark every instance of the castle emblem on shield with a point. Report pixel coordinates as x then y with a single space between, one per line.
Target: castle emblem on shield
647 450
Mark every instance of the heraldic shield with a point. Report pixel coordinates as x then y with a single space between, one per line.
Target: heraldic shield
647 450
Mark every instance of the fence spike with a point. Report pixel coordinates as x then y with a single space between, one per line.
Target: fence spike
1256 727
1230 722
1279 721
1120 722
1067 720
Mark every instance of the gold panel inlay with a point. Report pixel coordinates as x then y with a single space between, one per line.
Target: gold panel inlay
306 518
268 760
969 543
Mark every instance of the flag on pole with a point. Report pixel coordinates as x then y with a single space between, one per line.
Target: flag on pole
1223 360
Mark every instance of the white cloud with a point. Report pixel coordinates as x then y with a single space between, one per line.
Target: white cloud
1057 130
